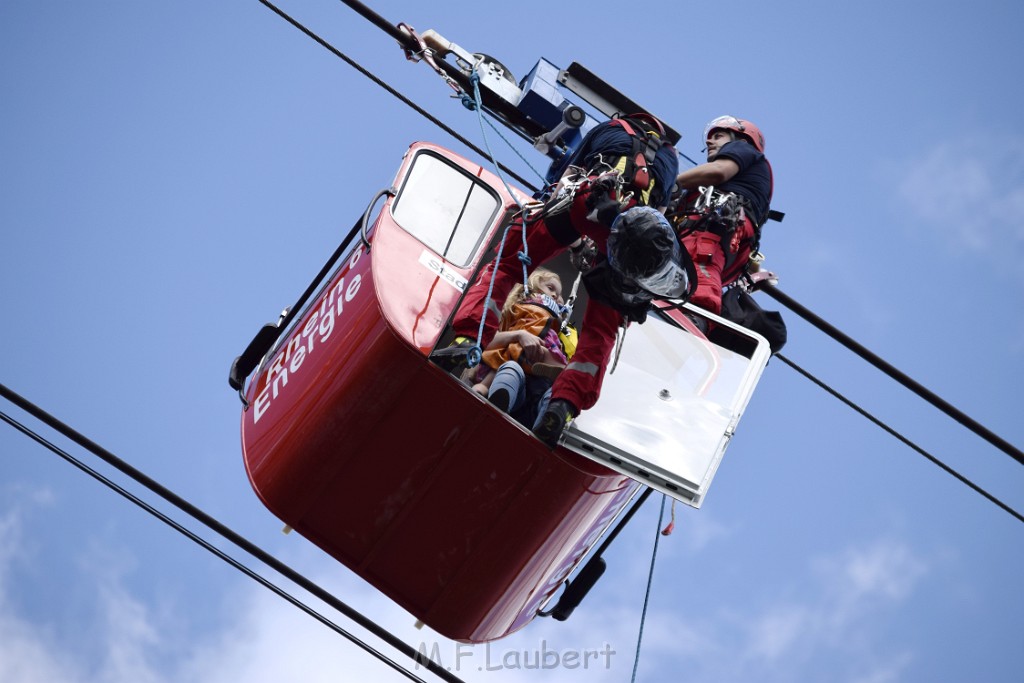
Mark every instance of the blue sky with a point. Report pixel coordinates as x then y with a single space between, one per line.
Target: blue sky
173 174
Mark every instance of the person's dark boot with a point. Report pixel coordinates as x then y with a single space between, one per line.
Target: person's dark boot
500 398
552 423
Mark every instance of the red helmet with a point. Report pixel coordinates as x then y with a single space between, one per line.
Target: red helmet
743 128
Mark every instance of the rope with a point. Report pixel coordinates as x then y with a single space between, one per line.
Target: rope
620 339
478 107
475 104
519 154
667 531
475 354
647 595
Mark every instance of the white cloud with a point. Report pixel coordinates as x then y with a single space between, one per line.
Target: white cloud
698 531
887 671
27 654
864 578
824 616
26 657
775 634
267 640
271 641
968 194
887 568
129 635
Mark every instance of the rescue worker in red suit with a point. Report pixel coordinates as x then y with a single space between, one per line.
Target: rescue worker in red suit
736 164
593 207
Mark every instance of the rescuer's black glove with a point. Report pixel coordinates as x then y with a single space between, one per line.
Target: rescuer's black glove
602 201
582 256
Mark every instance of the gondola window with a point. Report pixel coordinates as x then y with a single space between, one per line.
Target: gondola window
445 208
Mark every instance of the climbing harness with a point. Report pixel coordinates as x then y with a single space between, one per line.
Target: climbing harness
713 211
611 188
647 134
721 216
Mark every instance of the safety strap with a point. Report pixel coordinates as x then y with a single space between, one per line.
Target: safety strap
571 301
645 147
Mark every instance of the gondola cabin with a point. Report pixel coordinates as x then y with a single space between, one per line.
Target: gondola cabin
355 439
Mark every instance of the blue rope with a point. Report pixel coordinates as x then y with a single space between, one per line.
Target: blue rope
475 354
647 596
687 158
543 178
476 105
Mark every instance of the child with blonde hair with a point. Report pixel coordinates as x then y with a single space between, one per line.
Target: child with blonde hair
529 349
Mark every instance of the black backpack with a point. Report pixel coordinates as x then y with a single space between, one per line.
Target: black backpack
739 307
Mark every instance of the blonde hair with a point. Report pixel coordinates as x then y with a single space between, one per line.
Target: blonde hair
518 294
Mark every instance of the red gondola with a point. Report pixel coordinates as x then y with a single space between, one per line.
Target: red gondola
356 440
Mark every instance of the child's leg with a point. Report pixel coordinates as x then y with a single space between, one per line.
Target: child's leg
507 386
484 385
